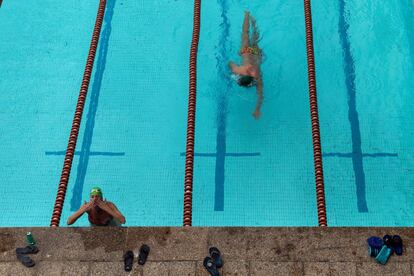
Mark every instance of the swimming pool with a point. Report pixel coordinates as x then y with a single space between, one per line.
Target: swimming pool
246 172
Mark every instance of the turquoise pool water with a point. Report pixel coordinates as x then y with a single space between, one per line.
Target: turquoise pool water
247 172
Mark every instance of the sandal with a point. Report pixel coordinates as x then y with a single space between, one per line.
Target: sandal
25 260
128 260
374 245
30 249
389 242
210 266
216 256
398 244
383 255
143 254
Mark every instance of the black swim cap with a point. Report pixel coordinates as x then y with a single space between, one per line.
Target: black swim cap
246 81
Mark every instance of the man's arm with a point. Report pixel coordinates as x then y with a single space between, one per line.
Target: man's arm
73 218
259 90
112 210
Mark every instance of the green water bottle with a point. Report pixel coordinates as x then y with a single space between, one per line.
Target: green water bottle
29 238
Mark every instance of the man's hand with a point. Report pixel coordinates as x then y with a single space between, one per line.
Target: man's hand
256 114
102 204
87 206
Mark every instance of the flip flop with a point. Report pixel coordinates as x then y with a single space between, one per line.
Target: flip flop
210 266
398 244
30 249
25 260
128 260
143 254
216 256
384 254
389 242
374 245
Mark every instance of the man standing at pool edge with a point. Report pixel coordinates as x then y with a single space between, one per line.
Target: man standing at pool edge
100 212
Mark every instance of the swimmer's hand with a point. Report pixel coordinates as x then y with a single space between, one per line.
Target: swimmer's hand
103 204
256 114
99 202
87 206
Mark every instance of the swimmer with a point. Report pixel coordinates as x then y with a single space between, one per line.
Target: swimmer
100 212
248 73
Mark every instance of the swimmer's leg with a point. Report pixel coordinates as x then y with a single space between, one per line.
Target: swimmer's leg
255 39
245 31
256 33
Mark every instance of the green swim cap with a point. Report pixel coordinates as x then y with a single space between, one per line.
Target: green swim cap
96 191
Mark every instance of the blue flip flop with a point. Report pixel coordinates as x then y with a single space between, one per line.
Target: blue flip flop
374 245
216 256
210 266
383 255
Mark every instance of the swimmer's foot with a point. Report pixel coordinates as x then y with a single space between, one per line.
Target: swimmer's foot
210 266
30 249
128 260
143 254
216 256
25 260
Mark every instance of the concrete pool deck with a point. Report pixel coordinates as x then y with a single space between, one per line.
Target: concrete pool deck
180 251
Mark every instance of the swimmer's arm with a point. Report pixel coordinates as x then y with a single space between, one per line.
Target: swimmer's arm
259 90
113 211
73 218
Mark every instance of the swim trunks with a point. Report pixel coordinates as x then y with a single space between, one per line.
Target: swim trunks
251 50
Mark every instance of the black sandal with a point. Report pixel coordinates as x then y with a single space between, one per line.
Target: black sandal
128 260
143 254
210 266
389 242
398 244
216 256
30 249
25 260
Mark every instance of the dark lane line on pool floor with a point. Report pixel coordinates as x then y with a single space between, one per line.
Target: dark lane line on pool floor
227 154
222 105
356 155
85 152
222 59
338 154
93 107
349 70
91 153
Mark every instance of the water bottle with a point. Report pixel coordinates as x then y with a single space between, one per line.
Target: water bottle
29 238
